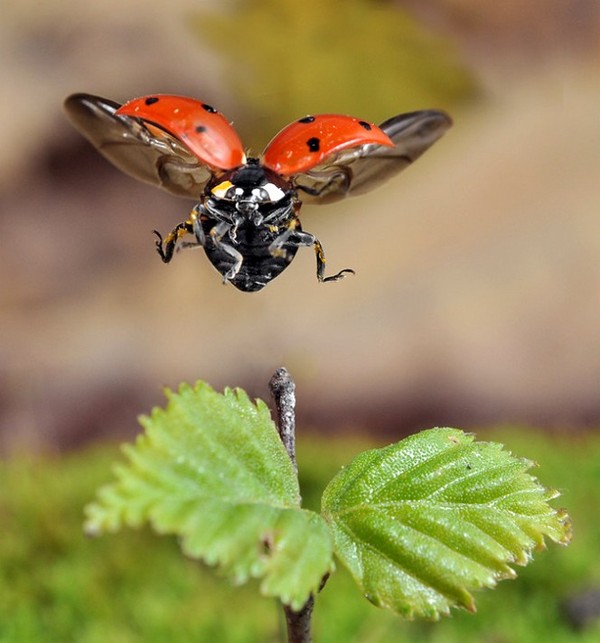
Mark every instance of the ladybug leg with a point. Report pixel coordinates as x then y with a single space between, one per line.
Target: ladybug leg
320 253
287 214
276 248
306 239
197 230
166 247
216 234
338 181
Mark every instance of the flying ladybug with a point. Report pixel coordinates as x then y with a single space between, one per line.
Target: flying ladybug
247 212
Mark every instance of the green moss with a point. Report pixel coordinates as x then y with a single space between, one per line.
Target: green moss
57 585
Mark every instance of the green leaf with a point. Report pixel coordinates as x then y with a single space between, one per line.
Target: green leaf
211 469
423 522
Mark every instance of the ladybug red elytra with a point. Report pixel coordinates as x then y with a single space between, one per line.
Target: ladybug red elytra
246 218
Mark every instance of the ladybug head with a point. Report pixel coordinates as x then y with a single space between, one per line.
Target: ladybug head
250 191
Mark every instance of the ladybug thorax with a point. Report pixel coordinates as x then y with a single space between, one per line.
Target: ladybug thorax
250 192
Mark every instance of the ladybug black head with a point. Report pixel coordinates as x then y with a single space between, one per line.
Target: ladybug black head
250 185
251 193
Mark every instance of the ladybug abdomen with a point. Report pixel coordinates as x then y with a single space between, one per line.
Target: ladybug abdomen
259 264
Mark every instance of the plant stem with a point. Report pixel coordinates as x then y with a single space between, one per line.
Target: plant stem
298 623
283 390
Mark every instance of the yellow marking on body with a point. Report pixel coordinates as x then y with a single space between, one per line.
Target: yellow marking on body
222 188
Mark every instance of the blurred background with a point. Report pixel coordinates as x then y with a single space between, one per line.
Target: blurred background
475 303
477 291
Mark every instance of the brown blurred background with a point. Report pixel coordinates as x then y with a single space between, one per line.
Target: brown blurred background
477 293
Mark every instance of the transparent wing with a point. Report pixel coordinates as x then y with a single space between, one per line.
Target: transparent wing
138 148
359 169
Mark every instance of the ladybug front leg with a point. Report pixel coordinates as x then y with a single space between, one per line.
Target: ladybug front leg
197 230
166 247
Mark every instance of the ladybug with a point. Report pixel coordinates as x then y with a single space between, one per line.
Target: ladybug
246 218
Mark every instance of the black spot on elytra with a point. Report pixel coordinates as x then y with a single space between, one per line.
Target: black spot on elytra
307 119
313 144
364 124
151 100
200 129
209 108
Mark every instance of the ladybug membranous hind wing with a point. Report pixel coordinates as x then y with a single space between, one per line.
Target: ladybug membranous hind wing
138 148
356 170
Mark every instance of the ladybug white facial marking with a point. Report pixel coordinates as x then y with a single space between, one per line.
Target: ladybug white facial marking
273 192
246 218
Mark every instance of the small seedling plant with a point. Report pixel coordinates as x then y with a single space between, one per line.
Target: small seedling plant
420 523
